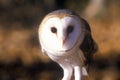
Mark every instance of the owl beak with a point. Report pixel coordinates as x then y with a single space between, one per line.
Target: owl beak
64 40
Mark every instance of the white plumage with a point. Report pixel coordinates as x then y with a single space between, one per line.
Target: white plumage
66 38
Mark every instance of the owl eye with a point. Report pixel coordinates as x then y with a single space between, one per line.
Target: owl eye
53 30
69 29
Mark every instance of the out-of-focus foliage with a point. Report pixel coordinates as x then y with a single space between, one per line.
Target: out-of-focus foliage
20 55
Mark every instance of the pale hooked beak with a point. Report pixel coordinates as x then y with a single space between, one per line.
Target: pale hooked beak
64 41
63 38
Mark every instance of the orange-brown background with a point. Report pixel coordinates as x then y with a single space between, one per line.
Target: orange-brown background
20 55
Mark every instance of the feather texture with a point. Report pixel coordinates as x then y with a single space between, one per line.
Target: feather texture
88 46
66 38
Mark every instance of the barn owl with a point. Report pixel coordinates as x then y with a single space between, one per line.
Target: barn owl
66 38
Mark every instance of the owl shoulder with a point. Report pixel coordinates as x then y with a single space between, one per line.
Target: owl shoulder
88 46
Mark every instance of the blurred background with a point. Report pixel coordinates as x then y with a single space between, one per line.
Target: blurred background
20 55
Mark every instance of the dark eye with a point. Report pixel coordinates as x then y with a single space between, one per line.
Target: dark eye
70 29
53 30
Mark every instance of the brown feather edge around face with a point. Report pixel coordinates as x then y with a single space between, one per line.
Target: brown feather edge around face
60 14
88 45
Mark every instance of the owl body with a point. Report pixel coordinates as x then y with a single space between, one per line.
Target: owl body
66 38
69 61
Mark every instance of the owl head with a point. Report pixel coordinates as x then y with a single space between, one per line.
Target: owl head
61 30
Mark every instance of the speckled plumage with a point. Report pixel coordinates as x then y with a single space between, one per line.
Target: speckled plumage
66 38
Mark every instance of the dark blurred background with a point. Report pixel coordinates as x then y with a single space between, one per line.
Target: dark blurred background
20 55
